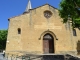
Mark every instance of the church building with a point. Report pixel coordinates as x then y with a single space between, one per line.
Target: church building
40 30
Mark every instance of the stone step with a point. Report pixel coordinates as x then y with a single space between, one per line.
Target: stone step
46 57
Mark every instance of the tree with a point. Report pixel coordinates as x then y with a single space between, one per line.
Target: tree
70 9
3 38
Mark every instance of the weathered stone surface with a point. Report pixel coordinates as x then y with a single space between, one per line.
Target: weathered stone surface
33 27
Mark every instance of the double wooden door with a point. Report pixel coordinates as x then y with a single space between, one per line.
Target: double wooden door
48 46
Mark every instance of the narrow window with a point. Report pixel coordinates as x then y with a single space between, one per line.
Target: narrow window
19 31
74 32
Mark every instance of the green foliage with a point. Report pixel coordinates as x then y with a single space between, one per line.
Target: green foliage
3 38
70 9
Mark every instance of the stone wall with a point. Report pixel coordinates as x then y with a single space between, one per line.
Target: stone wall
34 26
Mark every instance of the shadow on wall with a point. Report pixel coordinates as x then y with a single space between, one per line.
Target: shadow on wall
78 47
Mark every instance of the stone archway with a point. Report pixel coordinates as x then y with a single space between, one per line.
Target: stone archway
48 43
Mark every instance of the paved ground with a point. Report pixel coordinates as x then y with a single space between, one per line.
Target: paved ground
45 57
9 58
2 57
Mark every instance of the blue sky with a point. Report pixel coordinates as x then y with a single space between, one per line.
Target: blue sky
10 8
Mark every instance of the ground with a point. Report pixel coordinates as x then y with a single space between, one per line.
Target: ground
2 57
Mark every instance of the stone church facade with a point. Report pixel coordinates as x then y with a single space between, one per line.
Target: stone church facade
41 31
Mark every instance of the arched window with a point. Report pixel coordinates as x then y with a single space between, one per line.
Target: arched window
19 31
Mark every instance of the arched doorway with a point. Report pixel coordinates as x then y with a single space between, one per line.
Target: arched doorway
48 43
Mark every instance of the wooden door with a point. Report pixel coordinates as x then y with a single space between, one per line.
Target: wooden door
51 47
46 46
48 43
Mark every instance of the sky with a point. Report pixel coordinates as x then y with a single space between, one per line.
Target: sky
11 8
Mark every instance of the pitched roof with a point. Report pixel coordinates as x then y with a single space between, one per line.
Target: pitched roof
33 9
43 5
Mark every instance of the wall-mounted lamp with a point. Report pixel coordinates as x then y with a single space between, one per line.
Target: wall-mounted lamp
7 41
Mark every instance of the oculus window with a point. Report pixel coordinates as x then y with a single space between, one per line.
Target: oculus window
47 14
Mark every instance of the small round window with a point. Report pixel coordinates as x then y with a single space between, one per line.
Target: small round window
47 14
